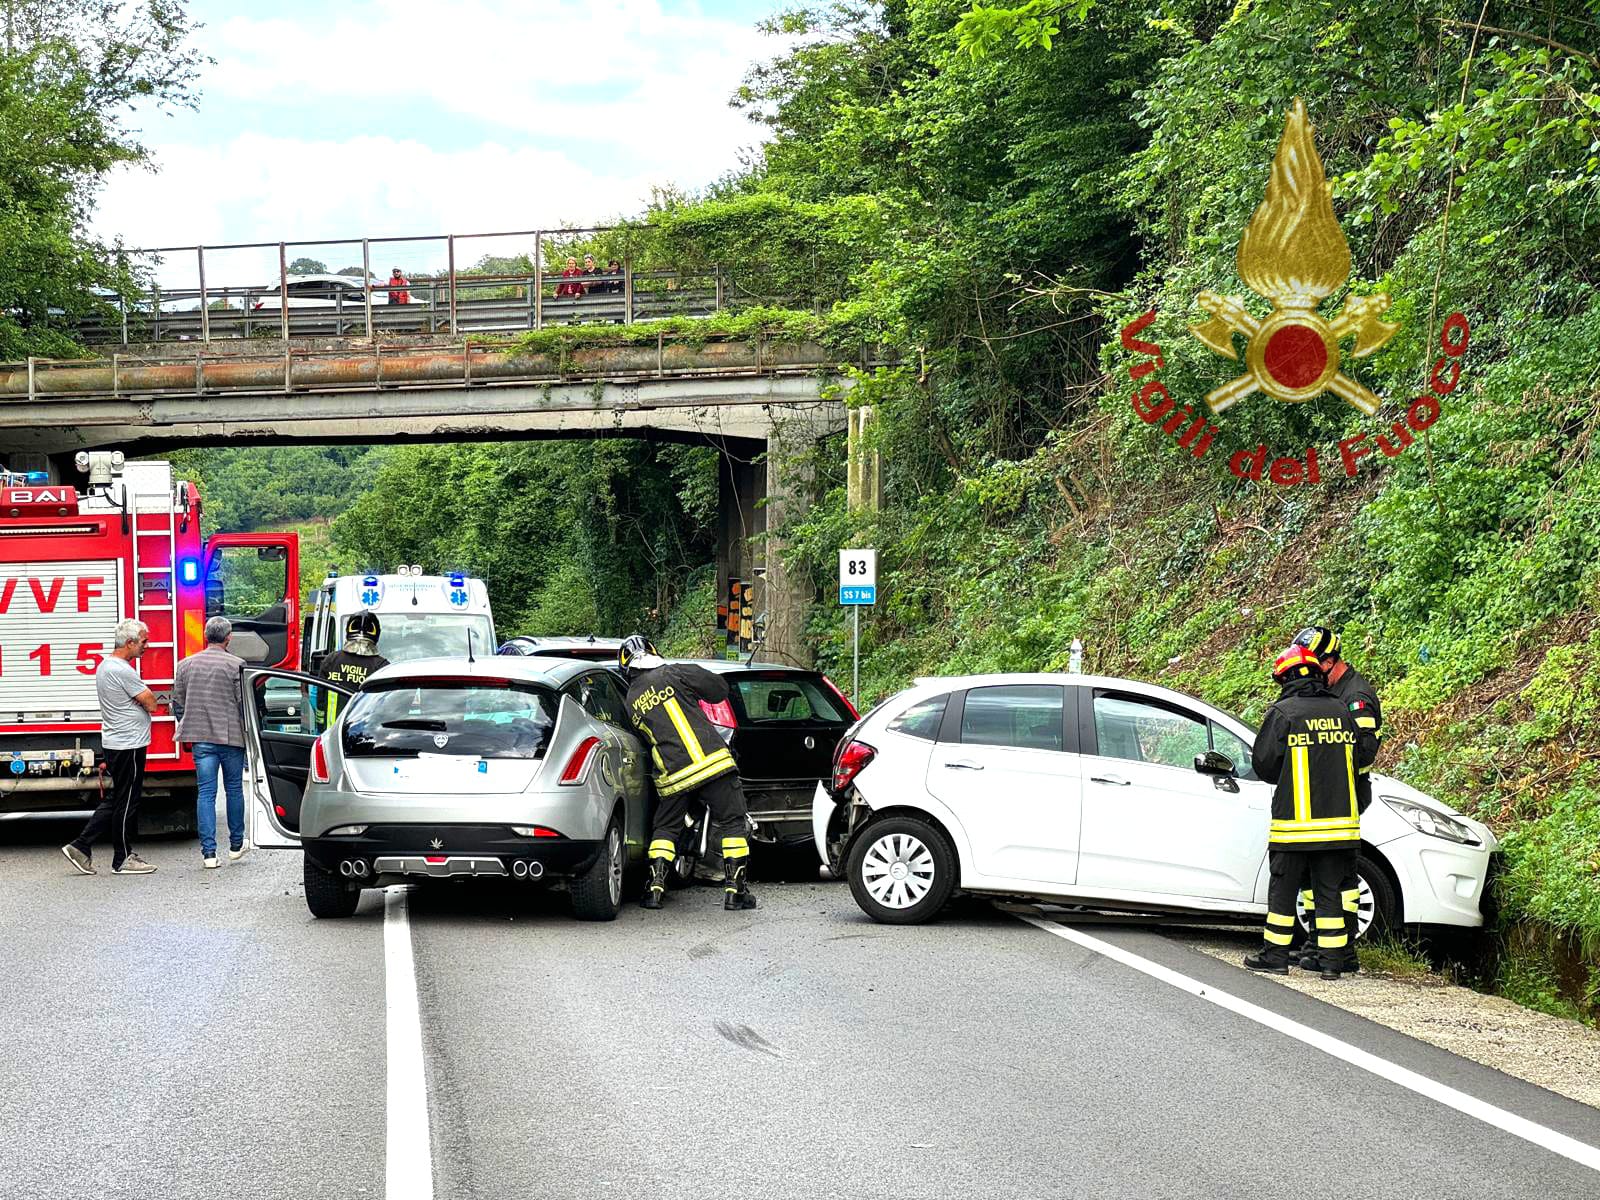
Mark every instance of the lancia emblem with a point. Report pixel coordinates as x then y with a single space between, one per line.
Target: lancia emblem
441 740
437 843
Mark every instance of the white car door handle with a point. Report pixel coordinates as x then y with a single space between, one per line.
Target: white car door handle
962 764
1115 780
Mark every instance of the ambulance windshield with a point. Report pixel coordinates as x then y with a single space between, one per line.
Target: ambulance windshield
408 636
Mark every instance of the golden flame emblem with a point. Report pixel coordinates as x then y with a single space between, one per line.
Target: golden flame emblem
1293 254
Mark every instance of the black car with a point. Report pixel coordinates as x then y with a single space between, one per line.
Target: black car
783 725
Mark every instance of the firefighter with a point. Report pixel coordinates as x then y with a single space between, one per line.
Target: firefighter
691 763
1311 747
1359 696
357 659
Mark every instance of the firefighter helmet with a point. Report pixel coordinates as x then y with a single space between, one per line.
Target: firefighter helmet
1319 639
363 625
637 654
1296 662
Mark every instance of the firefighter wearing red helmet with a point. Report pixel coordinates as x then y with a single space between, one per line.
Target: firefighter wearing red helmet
1312 749
1361 698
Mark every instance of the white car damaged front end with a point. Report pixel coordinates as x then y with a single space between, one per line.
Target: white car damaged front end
1442 858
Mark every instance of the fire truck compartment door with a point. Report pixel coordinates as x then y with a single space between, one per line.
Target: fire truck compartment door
253 580
282 722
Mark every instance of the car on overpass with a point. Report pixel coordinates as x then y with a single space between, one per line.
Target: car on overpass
317 291
1105 793
522 769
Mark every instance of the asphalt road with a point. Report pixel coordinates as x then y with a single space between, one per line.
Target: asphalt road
195 1034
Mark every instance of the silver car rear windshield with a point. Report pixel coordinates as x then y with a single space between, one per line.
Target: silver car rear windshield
482 718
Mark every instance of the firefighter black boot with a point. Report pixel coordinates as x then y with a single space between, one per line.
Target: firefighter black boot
655 888
736 895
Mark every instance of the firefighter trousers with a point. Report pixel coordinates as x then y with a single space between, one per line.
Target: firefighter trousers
1325 871
724 801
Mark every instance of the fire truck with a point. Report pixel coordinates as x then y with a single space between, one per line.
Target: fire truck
75 562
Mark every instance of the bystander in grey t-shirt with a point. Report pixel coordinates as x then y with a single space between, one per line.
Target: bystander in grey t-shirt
124 725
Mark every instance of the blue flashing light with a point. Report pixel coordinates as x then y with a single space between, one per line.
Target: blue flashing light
457 579
189 572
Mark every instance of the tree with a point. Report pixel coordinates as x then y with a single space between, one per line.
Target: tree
312 266
71 72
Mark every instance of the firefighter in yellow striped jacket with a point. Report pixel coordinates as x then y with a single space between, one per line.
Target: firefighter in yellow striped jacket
691 763
1312 748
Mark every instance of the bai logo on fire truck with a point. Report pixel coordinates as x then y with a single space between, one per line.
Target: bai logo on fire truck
1294 256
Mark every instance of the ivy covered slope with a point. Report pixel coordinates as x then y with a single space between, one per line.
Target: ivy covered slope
1044 175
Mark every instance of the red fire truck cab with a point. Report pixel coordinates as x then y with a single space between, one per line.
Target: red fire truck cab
73 563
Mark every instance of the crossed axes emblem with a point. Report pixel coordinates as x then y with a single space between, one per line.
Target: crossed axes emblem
1293 354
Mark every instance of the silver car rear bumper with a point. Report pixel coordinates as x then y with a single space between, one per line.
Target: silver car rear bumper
440 867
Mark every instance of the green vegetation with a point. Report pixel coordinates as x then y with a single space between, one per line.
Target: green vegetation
992 192
1396 958
70 73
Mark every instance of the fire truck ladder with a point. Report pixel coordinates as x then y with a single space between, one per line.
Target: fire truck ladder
142 611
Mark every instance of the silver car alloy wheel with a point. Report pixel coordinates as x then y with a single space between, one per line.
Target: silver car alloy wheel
897 870
1366 908
614 869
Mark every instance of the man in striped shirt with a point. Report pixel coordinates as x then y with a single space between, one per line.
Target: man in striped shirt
206 699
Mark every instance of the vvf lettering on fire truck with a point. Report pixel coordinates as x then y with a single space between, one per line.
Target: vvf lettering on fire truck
72 565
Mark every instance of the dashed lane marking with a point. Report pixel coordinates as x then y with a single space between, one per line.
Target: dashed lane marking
408 1160
1529 1131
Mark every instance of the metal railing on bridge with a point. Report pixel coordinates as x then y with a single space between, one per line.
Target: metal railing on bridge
500 293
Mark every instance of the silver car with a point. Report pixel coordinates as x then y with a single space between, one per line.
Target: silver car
513 768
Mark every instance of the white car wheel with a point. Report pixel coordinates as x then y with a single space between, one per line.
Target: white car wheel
897 870
901 870
1372 905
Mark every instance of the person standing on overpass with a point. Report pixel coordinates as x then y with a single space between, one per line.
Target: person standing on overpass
125 708
691 763
1361 698
398 285
1311 748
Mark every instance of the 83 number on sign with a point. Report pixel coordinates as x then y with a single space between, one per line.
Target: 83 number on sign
858 576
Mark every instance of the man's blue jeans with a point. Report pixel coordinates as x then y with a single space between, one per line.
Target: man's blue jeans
209 758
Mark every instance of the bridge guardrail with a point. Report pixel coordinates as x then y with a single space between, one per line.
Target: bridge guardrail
522 289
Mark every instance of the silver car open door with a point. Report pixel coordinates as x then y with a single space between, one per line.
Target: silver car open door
282 720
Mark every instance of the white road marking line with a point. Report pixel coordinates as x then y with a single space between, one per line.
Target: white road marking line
1529 1131
408 1170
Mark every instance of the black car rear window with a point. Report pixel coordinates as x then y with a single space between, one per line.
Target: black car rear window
786 699
480 718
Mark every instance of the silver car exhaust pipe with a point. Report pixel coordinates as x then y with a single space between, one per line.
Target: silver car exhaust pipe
519 869
535 870
347 868
360 868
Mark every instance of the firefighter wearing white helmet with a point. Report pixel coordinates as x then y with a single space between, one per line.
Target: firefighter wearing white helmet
691 763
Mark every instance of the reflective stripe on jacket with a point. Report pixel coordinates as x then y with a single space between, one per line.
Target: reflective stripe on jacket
1312 747
685 747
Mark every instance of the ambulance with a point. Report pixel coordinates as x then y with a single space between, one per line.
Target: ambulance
76 560
421 616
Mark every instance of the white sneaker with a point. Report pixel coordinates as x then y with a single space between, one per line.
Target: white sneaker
236 855
210 862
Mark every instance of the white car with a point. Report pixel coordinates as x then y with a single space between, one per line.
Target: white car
1101 792
321 291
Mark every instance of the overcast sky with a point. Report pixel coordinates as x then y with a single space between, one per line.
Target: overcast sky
401 117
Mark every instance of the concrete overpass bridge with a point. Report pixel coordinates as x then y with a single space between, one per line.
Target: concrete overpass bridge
764 404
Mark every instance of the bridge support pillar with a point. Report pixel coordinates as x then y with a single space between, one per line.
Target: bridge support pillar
786 593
